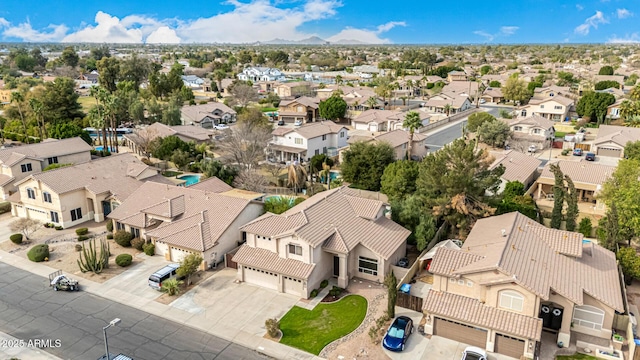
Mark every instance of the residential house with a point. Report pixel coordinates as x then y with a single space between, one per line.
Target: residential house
357 100
91 77
542 93
449 104
21 161
554 108
378 120
492 95
72 195
260 74
612 139
399 141
471 89
303 142
180 221
140 139
613 110
514 277
517 167
616 92
207 115
456 76
367 71
588 178
294 89
334 233
534 128
5 96
192 81
302 108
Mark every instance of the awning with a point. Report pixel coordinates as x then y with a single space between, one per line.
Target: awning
289 149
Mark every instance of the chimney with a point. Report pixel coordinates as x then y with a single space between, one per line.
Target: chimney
504 233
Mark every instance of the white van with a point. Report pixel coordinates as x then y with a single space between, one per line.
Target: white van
166 273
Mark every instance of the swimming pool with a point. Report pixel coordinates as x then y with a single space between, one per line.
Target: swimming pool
100 148
332 175
190 179
292 199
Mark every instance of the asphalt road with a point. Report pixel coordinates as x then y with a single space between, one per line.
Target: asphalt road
30 310
443 136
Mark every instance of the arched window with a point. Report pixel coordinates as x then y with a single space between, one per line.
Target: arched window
588 316
31 194
511 300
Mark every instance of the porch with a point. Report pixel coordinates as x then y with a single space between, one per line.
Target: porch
283 153
587 203
579 343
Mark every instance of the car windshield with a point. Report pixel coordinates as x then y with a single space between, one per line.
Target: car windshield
472 356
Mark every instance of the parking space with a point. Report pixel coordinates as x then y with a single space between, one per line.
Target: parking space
5 231
416 344
444 349
133 281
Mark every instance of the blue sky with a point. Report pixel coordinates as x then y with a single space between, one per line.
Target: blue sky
370 21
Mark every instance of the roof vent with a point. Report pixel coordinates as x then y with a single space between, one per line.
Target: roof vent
504 233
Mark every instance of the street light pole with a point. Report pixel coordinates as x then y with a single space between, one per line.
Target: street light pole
104 331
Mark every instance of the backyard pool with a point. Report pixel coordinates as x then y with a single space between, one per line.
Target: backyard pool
190 179
275 197
100 148
332 175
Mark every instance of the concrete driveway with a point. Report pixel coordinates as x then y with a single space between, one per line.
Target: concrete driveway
445 349
5 232
416 344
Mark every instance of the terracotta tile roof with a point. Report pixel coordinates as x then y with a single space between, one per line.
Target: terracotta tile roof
534 257
43 150
473 312
212 184
620 135
582 171
533 120
379 116
267 260
196 113
517 166
318 218
5 179
398 137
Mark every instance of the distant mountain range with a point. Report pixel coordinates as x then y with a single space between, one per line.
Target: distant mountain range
314 40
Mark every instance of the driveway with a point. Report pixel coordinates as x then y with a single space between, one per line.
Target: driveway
416 344
445 349
5 221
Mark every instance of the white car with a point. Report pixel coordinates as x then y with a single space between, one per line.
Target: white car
533 148
482 101
474 353
297 123
221 127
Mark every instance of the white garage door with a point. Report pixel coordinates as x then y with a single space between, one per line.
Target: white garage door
161 248
293 286
262 278
178 254
609 152
37 214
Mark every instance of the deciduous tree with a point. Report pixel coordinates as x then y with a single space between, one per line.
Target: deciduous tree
399 179
594 105
364 164
477 119
189 265
494 133
333 108
245 145
515 89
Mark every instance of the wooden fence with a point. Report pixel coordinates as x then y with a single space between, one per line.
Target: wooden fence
408 301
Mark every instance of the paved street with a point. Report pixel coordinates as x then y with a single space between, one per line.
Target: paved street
30 310
444 135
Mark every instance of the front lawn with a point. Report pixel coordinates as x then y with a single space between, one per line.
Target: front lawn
312 330
576 357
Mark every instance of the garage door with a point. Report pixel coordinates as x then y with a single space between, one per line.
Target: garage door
293 286
509 346
262 278
609 152
178 254
460 332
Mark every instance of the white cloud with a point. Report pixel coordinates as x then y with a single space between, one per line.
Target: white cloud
628 39
508 30
163 35
484 34
3 22
624 13
366 36
108 29
25 32
591 22
579 7
504 32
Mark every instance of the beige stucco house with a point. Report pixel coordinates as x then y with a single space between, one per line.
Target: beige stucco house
375 120
72 195
201 219
303 108
399 141
612 139
16 163
517 167
332 234
207 115
513 278
554 108
306 141
533 128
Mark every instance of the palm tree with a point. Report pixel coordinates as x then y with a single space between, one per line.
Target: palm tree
296 175
37 108
628 108
99 93
632 121
18 98
111 104
339 79
410 86
219 75
411 122
448 108
326 173
372 102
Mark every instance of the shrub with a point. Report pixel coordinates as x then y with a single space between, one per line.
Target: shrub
110 226
123 238
78 247
82 231
314 293
273 327
138 243
565 152
149 249
82 237
110 236
39 253
585 227
336 291
324 284
5 207
124 260
16 239
58 227
171 286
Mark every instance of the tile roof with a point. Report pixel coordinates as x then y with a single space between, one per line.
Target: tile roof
473 312
535 258
620 135
517 166
379 116
398 137
315 129
267 260
557 98
44 150
303 100
198 112
5 179
533 120
212 184
581 171
339 210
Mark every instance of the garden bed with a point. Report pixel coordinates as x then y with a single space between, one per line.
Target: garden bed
196 279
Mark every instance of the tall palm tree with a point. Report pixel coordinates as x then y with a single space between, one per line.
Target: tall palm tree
37 108
296 175
411 122
111 104
18 98
219 75
325 173
100 93
372 102
339 79
447 109
410 86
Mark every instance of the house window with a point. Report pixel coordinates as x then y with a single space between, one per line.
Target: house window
52 160
295 249
460 282
54 217
367 265
537 131
452 280
341 134
119 226
47 197
298 141
31 194
324 149
317 152
469 283
558 107
517 128
511 300
588 316
541 106
135 232
324 137
523 113
25 167
76 214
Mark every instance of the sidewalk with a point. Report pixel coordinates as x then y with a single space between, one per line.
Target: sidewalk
249 340
8 348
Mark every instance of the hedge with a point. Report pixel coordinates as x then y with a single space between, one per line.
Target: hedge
138 243
124 260
82 237
16 239
123 238
149 249
82 231
39 253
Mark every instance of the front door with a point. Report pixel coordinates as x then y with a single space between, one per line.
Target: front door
106 208
336 266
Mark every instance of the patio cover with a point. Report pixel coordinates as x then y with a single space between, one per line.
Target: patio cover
449 244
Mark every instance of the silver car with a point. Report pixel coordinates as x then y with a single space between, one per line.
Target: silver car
474 353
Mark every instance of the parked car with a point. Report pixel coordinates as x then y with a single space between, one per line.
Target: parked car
166 273
398 334
404 262
577 152
590 157
221 127
474 353
297 123
533 148
280 122
482 101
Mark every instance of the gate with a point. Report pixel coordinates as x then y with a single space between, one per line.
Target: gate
408 301
230 263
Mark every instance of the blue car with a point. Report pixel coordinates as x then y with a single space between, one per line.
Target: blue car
398 333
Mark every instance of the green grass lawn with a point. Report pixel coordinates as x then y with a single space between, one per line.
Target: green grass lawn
87 102
312 330
560 134
576 357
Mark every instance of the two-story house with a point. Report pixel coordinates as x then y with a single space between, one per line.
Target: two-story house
399 141
202 220
294 89
612 139
16 163
261 74
534 128
303 142
72 195
334 233
139 140
554 108
303 108
456 75
512 278
192 81
518 166
207 115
